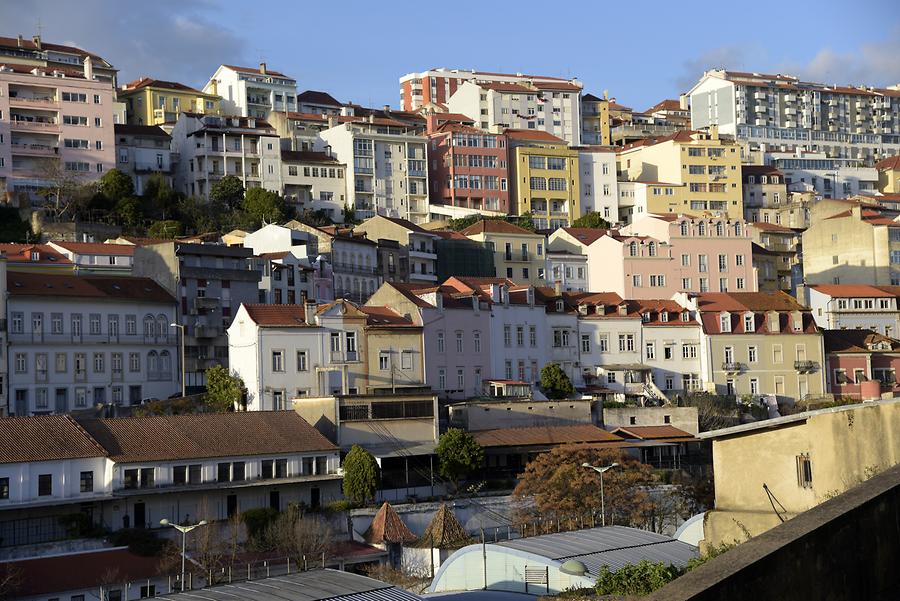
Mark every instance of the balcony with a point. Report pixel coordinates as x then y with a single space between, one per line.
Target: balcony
33 101
349 268
40 150
206 331
202 303
149 168
39 126
423 254
805 367
732 367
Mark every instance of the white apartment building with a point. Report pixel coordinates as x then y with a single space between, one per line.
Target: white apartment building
671 346
52 119
551 107
77 342
635 198
210 147
250 92
96 257
609 343
314 181
387 169
141 151
599 189
855 306
568 268
829 177
288 274
418 242
780 113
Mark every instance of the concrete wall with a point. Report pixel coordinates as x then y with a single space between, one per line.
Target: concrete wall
683 418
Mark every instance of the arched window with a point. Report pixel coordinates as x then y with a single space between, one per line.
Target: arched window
701 228
149 326
738 229
685 228
633 249
165 365
152 365
651 249
720 229
162 325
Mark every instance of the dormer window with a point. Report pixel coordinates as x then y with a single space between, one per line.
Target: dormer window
664 316
685 316
749 323
582 309
35 255
725 322
560 306
798 321
645 317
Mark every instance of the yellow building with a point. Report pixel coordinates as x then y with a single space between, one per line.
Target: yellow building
770 471
544 176
154 101
709 168
889 175
519 254
594 120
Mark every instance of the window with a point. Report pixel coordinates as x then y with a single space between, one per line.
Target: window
384 360
460 379
335 339
476 341
754 385
442 378
804 471
626 343
302 361
440 341
650 350
4 488
669 352
723 262
532 336
729 354
507 335
87 482
406 359
636 280
739 260
520 336
585 343
603 343
278 361
459 341
45 485
725 322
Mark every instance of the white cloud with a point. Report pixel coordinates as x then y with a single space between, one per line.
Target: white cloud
731 57
875 63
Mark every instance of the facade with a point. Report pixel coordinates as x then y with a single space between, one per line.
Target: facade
209 282
782 113
546 180
316 102
458 255
861 364
708 165
824 176
78 342
418 243
53 119
639 199
855 306
96 258
860 245
141 151
759 343
782 246
314 181
469 171
889 175
210 147
35 258
765 193
599 190
151 101
594 120
386 163
250 92
518 253
53 57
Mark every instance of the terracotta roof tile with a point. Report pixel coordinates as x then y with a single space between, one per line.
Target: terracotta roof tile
652 432
149 82
387 527
95 248
100 287
317 97
533 134
856 341
852 290
279 316
495 226
585 235
45 438
308 156
443 531
257 71
890 163
21 253
544 435
385 317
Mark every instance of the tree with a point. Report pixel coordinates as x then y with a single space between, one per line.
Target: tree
349 214
128 211
304 539
555 383
360 475
65 192
12 227
555 486
167 229
229 190
116 185
459 454
159 197
223 390
263 206
314 218
592 220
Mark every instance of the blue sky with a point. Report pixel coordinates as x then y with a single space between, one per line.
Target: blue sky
640 52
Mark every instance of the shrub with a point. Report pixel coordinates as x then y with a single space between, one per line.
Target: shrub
258 520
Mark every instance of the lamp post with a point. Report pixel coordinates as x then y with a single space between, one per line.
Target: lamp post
183 367
600 471
184 530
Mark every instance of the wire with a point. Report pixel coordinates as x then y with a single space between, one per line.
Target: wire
773 500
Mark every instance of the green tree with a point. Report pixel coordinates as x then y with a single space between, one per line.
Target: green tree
167 229
459 454
641 578
159 197
314 218
262 205
593 220
555 383
116 185
128 211
360 475
12 227
349 214
228 190
223 390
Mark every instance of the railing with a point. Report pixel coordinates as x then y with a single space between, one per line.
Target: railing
32 100
732 366
68 337
346 267
36 124
35 148
806 366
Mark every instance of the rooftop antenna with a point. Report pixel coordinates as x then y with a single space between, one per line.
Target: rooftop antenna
40 28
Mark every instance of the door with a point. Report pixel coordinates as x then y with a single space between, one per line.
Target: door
315 498
231 505
275 500
140 515
61 401
99 395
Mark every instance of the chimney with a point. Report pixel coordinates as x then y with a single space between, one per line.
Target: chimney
37 41
557 286
495 293
88 68
371 118
332 121
504 294
262 68
21 41
387 108
214 86
713 132
856 211
309 312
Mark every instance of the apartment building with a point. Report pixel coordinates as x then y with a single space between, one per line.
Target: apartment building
758 343
4 363
141 151
209 282
53 119
518 253
96 258
78 342
35 258
287 273
456 330
250 92
595 120
889 175
599 189
469 171
353 259
709 166
824 176
210 147
316 102
861 364
782 113
781 245
418 242
49 56
765 193
386 163
150 101
133 472
855 306
860 245
639 199
546 179
314 181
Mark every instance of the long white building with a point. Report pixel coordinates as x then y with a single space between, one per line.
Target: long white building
250 92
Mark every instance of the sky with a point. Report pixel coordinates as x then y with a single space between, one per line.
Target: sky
357 50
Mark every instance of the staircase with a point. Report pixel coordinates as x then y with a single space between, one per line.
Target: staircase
652 391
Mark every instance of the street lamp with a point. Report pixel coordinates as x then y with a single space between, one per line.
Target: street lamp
184 530
600 471
183 368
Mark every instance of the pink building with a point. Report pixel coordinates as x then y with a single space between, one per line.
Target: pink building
861 364
469 170
53 117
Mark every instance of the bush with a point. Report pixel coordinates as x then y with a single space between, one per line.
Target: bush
139 541
555 383
641 578
258 521
337 507
360 475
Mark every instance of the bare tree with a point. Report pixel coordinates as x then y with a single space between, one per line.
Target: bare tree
299 536
65 191
11 580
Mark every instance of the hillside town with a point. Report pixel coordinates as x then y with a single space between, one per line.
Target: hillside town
510 335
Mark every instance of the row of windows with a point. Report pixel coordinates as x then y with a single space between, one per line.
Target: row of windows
82 395
329 172
460 378
159 364
45 485
729 356
688 351
520 336
459 336
152 325
551 183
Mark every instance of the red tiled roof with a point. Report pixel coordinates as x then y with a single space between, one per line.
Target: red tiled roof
45 438
652 432
96 248
30 45
502 86
851 290
668 104
43 576
747 301
760 170
409 292
585 235
385 317
406 224
890 163
544 435
495 226
277 316
145 131
205 435
771 227
308 156
453 117
566 86
449 235
100 287
252 70
532 134
317 97
387 527
21 253
149 82
857 341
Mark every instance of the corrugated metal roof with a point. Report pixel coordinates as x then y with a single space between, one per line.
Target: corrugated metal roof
315 585
614 546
